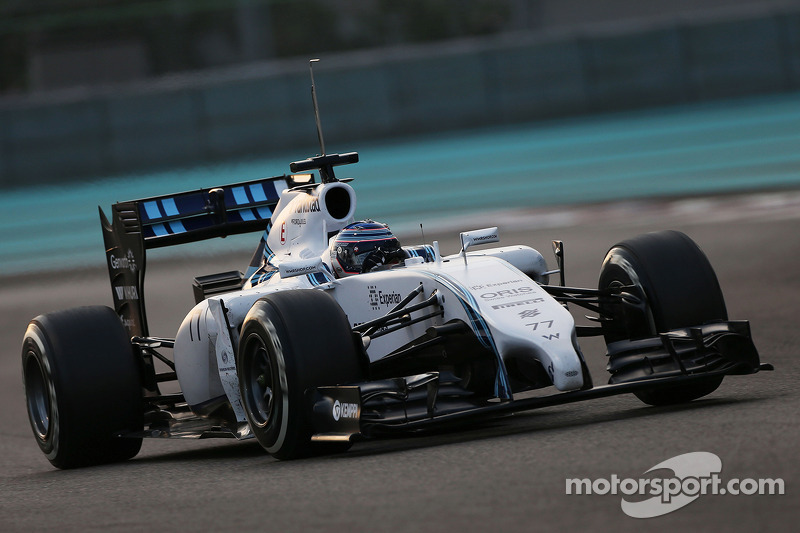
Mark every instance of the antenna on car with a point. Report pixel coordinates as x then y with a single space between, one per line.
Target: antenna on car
316 106
323 162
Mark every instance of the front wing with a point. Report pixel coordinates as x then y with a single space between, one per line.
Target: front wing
679 357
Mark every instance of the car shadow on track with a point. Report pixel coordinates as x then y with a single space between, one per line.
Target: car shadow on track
553 419
220 451
541 421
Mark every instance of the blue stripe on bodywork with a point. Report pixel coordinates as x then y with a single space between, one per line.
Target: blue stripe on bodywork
257 191
268 253
262 277
159 230
240 195
318 278
176 226
152 211
169 206
502 385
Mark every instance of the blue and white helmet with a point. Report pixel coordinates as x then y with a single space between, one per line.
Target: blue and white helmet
364 246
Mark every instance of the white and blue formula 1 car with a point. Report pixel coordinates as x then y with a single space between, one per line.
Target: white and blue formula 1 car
336 332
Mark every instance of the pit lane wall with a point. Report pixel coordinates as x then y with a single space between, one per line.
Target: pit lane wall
265 108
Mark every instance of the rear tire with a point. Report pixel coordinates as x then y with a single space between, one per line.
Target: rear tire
680 290
82 387
293 341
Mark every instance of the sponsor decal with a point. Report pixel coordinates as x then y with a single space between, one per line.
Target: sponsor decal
283 233
519 303
481 236
301 270
309 206
692 475
299 221
344 410
497 284
127 323
378 298
289 269
127 262
127 292
373 297
506 293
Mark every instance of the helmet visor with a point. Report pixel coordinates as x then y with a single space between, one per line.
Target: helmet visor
351 255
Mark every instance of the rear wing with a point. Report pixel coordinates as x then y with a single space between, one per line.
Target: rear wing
138 225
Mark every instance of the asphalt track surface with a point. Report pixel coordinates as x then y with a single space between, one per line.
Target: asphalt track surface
505 475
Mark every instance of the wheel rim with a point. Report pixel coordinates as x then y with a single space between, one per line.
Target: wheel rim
38 396
615 329
624 321
259 381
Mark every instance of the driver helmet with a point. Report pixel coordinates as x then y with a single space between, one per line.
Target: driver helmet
364 246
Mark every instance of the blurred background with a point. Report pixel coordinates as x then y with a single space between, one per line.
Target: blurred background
55 44
553 102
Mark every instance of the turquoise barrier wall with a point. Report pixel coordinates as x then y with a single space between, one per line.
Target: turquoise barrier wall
265 108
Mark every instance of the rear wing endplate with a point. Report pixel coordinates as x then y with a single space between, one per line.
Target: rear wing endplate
160 221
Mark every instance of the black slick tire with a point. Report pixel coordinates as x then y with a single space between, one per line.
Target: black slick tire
291 342
82 387
680 290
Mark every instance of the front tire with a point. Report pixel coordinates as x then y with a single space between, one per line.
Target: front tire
82 387
291 342
680 289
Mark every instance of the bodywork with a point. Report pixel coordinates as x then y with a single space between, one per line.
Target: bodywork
423 324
